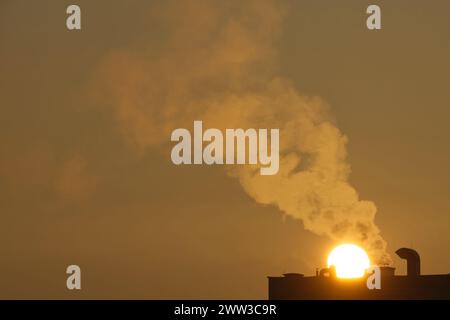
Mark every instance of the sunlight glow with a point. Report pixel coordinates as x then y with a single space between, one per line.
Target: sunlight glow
349 260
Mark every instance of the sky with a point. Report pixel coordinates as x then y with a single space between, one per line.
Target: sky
85 170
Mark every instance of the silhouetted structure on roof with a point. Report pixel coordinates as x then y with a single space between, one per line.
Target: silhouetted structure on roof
325 285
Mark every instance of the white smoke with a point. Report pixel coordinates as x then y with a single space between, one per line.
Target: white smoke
217 63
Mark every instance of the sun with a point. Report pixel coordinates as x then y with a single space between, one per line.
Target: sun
349 260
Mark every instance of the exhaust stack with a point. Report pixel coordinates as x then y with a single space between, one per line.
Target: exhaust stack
412 261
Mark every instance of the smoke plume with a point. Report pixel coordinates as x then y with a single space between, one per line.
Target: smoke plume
216 61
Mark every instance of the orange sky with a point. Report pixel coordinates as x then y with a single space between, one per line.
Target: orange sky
78 187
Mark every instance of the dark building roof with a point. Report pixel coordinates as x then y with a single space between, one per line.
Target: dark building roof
325 285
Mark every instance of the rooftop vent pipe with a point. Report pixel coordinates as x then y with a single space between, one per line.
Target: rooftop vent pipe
412 261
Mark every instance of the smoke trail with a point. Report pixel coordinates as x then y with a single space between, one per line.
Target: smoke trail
217 63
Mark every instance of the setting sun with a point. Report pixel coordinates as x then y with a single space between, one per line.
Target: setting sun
349 260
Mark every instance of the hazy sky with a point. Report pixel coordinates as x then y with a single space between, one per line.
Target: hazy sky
79 185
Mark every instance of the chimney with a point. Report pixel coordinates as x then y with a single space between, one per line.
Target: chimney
387 271
412 261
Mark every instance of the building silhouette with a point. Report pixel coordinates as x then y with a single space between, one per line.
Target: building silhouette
325 285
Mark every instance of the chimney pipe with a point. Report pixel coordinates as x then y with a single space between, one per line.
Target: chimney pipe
412 261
